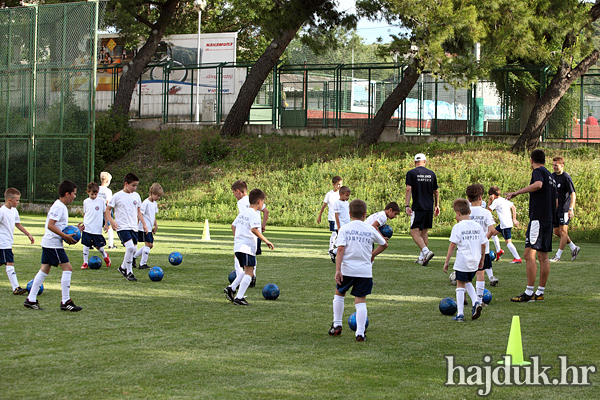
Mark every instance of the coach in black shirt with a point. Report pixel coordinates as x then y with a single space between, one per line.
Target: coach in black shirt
421 185
542 213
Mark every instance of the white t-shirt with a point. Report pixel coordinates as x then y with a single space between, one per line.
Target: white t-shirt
8 218
60 214
149 211
358 237
343 209
330 198
105 194
244 203
244 240
93 214
484 218
378 216
468 236
126 208
502 208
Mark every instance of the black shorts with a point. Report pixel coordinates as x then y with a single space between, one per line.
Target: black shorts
6 256
465 276
562 218
506 232
539 236
421 219
361 287
487 262
128 235
245 260
54 257
91 240
145 237
332 226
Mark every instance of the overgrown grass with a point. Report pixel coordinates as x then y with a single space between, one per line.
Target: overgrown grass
180 339
295 173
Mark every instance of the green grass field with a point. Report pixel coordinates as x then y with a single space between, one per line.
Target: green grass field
181 339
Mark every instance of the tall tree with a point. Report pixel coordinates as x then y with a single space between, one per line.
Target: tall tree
282 19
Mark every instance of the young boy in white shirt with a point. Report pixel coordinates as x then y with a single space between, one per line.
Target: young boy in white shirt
341 210
504 208
469 239
246 228
127 205
330 198
9 219
378 219
354 267
149 210
93 220
53 252
106 194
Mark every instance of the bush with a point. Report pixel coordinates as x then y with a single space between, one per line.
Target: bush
212 148
169 145
114 138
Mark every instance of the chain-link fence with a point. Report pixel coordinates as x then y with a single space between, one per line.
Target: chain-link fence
47 87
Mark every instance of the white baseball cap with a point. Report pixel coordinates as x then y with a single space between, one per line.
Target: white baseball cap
420 157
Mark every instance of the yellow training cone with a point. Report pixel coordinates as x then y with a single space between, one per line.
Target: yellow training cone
206 233
515 346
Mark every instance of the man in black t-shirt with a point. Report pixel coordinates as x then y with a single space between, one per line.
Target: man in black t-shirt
421 185
542 214
564 212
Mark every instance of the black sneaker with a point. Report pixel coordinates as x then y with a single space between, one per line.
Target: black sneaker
253 282
240 302
229 293
522 298
113 247
19 290
538 297
332 255
131 277
361 338
123 271
133 263
70 306
34 305
335 330
144 266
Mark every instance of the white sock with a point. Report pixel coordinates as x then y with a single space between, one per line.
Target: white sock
128 259
86 254
559 253
496 242
65 285
572 246
424 251
489 273
243 287
35 286
138 252
529 290
471 292
361 318
540 290
513 250
460 301
236 282
480 285
338 309
145 254
255 265
103 252
334 251
236 265
111 237
332 240
12 276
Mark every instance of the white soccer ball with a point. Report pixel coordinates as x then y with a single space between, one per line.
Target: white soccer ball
453 278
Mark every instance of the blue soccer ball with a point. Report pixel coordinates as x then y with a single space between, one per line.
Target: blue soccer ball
69 230
386 231
232 276
175 258
492 255
448 306
352 322
156 274
95 262
30 284
270 291
487 296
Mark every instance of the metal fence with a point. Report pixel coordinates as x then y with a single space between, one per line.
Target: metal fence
47 87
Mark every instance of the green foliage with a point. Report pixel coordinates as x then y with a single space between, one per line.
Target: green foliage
169 145
114 138
212 148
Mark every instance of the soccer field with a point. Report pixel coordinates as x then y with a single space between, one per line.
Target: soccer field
181 339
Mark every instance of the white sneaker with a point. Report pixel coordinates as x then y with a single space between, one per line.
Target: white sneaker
493 280
555 258
428 257
574 253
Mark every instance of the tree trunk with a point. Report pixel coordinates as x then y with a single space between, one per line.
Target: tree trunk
129 79
545 106
373 131
254 81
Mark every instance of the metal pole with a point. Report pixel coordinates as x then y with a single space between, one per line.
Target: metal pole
200 4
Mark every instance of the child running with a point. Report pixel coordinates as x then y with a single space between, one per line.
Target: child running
504 208
341 210
93 220
149 210
330 198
